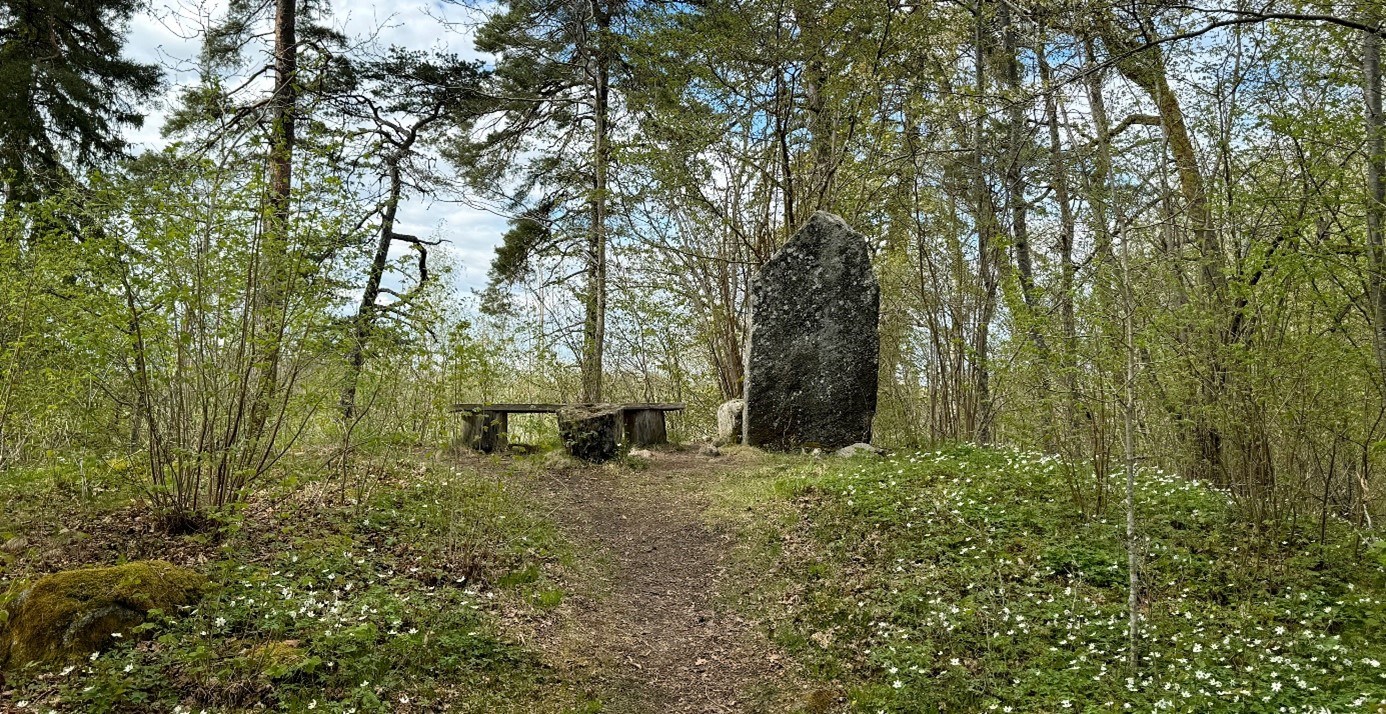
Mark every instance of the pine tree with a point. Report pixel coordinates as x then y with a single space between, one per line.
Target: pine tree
68 91
296 50
405 100
556 67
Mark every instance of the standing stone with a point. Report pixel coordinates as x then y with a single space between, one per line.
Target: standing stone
814 345
729 426
591 431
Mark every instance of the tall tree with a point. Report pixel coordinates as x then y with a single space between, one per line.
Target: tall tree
291 26
554 77
68 90
1144 65
989 255
1376 180
274 269
402 101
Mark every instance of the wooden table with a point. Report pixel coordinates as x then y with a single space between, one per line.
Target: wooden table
487 424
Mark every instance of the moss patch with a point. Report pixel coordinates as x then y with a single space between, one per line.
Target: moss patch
73 613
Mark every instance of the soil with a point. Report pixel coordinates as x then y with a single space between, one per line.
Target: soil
652 629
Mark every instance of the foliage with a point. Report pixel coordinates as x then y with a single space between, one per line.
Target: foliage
965 579
1090 222
70 92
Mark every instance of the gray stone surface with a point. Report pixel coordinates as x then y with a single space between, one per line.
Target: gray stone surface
729 421
860 448
814 344
591 432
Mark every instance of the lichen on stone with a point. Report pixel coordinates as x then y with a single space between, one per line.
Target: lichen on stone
813 345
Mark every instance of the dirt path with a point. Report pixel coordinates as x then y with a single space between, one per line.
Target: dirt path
653 633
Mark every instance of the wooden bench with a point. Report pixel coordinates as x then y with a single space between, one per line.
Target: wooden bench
486 426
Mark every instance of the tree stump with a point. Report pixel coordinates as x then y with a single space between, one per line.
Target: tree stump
485 431
591 432
645 427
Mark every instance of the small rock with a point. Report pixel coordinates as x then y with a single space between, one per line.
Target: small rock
729 420
15 545
709 450
860 448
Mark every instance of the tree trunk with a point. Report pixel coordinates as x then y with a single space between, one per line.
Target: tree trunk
1058 172
1017 160
1145 67
1128 419
820 116
594 324
784 104
986 240
1102 167
364 320
1015 167
274 273
1376 188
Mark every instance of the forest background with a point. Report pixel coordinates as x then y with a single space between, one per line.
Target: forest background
1150 221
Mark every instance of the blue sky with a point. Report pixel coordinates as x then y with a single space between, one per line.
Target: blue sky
168 33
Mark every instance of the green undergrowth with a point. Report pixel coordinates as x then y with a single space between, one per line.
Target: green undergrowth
967 580
64 483
325 603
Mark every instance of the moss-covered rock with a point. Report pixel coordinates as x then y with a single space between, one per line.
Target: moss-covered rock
71 614
591 432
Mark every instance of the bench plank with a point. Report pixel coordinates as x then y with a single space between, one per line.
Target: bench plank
655 406
542 408
509 408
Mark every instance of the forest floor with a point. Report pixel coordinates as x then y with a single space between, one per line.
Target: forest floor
955 580
524 583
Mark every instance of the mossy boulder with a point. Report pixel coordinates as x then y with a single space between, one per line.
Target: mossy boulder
69 615
591 432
